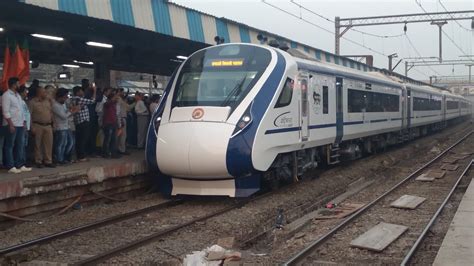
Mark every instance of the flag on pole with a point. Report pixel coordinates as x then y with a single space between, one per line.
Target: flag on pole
16 64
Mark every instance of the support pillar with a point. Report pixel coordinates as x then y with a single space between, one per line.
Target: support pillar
102 76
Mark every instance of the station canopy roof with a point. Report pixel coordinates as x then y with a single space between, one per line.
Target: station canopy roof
147 35
134 49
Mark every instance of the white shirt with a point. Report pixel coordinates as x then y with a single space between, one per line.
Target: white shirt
140 108
12 108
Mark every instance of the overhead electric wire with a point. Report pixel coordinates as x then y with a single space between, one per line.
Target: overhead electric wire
460 25
332 21
457 22
322 28
419 72
445 34
419 54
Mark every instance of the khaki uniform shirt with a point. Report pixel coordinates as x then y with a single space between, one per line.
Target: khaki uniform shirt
41 111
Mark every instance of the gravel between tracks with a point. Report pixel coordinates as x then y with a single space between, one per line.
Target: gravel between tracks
337 249
241 223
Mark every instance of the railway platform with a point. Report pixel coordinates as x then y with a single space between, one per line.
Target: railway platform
48 189
458 244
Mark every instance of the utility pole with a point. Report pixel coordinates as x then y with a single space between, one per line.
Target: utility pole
440 25
470 76
336 36
390 62
407 68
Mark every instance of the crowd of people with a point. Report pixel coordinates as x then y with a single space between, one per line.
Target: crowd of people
45 126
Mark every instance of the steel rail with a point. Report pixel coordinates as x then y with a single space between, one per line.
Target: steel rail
309 249
89 226
143 241
415 246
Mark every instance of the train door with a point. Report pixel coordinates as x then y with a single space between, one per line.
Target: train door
408 107
404 100
339 110
303 81
443 106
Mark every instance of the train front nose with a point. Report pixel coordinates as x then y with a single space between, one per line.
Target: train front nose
194 149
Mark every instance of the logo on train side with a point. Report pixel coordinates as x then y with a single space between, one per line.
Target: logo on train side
284 120
198 113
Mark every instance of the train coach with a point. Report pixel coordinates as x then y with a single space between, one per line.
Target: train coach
236 116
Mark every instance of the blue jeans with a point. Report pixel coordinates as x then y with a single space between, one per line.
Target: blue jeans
71 143
109 146
15 148
60 143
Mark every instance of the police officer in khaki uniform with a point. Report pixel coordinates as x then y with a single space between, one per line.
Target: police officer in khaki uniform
42 128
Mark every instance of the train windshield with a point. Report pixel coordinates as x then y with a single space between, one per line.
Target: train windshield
220 76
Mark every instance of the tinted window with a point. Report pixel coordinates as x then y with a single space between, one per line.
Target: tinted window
286 94
304 97
367 101
452 104
220 76
325 100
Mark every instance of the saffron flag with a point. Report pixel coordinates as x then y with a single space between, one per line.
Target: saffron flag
16 64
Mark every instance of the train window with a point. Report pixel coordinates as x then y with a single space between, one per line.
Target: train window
356 101
304 97
424 104
368 86
220 76
364 101
286 94
452 104
325 99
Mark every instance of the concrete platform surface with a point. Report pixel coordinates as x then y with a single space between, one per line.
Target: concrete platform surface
458 244
95 170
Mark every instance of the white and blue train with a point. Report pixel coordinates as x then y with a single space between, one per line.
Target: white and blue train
234 116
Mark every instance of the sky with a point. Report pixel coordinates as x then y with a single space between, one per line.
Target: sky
421 39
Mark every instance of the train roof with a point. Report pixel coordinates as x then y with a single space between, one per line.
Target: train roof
308 63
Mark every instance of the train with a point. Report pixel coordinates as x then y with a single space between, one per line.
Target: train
236 116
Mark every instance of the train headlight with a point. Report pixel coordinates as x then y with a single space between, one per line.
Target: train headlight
244 121
156 123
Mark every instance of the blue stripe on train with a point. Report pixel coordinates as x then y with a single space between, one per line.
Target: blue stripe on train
239 150
290 129
163 181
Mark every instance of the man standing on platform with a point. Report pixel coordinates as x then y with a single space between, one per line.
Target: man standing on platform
14 120
82 121
42 128
142 120
123 111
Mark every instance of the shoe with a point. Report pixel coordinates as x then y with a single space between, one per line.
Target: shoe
82 160
116 156
14 170
50 165
125 153
25 169
38 165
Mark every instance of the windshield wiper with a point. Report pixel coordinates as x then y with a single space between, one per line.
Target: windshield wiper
233 92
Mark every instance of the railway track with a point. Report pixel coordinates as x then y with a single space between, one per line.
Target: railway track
334 247
87 227
120 249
